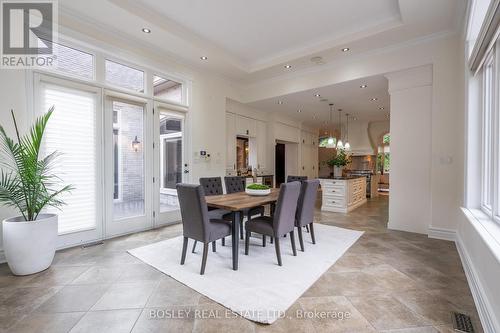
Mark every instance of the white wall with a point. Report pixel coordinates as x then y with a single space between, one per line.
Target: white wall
410 186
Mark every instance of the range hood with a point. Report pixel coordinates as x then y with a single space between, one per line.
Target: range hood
359 139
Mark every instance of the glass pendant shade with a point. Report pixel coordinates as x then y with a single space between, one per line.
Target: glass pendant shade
347 146
330 140
340 145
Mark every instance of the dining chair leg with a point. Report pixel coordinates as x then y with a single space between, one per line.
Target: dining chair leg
271 240
278 251
301 240
311 228
213 246
204 260
307 228
241 226
223 241
292 239
194 246
184 250
247 241
263 240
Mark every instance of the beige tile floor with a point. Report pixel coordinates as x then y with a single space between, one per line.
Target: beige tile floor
388 281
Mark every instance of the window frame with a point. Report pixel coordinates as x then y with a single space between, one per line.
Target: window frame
490 136
487 134
182 118
496 134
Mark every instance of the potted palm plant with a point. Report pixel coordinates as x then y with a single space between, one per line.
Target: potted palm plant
338 162
28 185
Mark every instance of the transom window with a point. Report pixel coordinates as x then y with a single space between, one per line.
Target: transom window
124 76
167 89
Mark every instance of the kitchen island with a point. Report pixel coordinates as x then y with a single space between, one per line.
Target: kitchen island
343 194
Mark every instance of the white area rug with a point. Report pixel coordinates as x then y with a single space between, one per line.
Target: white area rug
259 290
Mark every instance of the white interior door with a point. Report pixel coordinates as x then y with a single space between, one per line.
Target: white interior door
128 172
171 165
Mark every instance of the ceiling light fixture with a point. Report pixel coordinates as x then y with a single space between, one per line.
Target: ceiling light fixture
280 102
345 49
340 145
146 30
204 58
363 86
299 110
381 108
331 140
317 95
288 66
347 145
374 99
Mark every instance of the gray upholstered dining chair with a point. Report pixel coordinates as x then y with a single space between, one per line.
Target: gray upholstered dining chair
295 178
305 209
283 221
213 186
196 222
238 184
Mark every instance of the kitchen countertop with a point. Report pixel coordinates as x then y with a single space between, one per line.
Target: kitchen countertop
342 178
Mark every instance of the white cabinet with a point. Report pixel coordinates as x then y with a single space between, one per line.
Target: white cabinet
230 142
261 145
309 155
343 195
245 126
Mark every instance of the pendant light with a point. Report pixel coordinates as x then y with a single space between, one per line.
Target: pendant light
347 146
340 145
331 140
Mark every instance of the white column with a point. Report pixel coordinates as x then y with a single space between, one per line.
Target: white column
411 149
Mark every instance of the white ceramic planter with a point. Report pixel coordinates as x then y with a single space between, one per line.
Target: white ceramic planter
29 246
337 171
258 192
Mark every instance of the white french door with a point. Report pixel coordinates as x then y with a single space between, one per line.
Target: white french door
128 166
123 158
74 130
170 166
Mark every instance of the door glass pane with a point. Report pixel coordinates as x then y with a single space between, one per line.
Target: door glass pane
72 132
167 89
171 152
128 160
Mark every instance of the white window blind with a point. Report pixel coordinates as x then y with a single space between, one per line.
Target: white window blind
72 131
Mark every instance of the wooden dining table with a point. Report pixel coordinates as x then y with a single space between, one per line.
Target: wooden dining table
236 202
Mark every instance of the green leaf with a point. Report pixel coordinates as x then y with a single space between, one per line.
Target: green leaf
27 181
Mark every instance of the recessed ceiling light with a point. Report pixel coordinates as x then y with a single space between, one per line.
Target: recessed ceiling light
280 102
146 30
374 99
363 86
381 108
288 66
345 49
317 95
204 58
299 110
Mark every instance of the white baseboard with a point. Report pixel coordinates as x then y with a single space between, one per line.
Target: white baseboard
440 233
489 321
